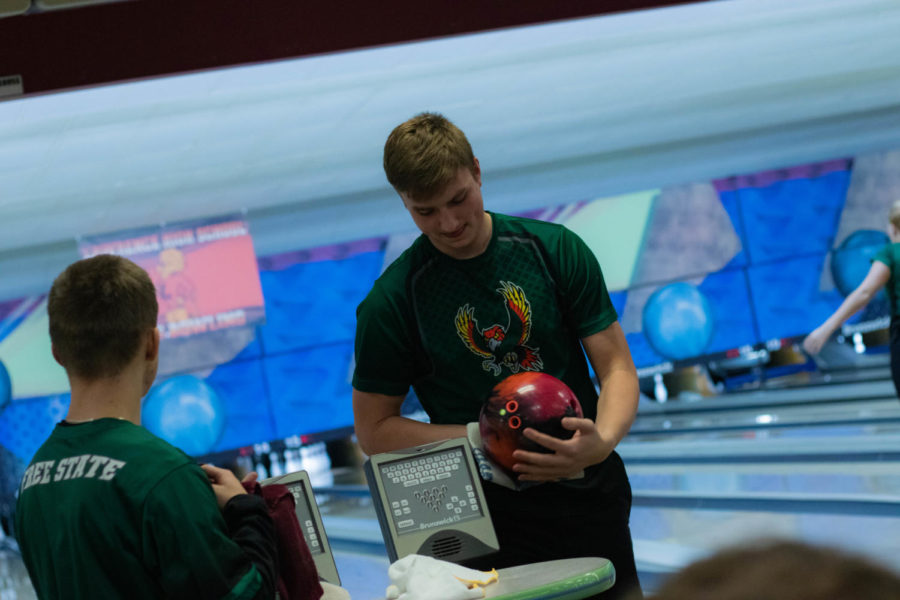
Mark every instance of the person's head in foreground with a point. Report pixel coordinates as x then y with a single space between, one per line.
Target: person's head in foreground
782 570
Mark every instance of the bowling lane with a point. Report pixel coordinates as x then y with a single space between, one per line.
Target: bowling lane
852 374
363 575
807 395
855 412
669 537
801 444
862 479
14 581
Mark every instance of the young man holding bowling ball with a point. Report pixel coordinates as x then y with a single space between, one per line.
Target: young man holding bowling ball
477 297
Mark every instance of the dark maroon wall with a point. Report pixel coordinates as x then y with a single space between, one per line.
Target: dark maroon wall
146 38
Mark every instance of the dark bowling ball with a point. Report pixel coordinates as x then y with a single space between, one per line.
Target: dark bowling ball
529 399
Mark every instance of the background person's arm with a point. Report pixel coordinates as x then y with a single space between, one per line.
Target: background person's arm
249 523
195 551
381 428
876 278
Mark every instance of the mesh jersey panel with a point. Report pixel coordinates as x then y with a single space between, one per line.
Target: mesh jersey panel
466 324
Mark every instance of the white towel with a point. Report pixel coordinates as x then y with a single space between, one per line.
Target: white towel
417 577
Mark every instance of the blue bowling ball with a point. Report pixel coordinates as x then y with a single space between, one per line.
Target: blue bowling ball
186 412
678 321
851 261
5 387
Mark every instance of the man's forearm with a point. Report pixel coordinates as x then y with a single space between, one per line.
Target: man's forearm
617 405
396 432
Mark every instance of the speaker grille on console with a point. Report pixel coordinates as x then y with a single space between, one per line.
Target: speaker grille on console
446 546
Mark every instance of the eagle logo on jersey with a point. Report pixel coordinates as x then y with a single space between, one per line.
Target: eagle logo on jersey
502 345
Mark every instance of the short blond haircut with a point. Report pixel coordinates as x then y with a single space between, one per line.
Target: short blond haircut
422 155
894 214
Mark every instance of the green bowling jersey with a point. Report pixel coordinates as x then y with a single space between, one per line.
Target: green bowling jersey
890 255
453 328
108 510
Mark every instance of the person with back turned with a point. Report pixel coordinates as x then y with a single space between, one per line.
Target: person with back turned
477 297
108 510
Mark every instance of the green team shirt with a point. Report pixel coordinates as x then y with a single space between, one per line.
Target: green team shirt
890 255
454 328
112 484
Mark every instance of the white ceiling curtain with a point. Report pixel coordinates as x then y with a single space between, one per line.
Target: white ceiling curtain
556 113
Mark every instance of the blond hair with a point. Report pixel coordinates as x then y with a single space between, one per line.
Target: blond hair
423 154
894 214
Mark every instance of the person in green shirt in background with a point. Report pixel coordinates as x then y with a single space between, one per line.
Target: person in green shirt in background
477 297
885 271
108 510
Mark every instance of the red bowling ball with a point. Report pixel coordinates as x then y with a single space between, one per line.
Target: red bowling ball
529 399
